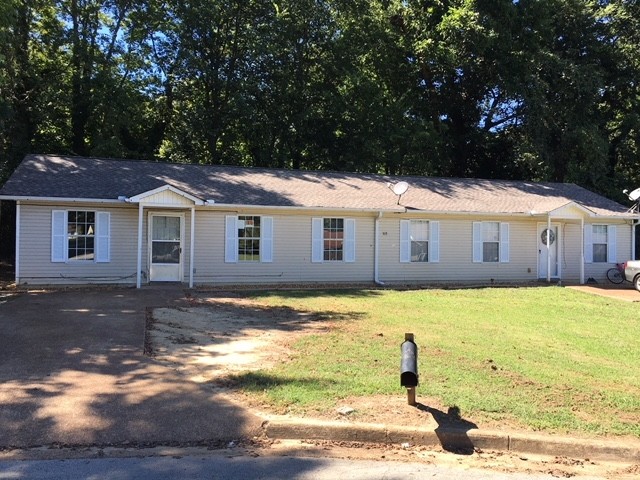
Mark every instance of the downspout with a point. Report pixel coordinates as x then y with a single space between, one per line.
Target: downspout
376 251
192 245
548 248
582 251
17 261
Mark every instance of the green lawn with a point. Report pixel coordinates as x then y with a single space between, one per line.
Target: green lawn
548 358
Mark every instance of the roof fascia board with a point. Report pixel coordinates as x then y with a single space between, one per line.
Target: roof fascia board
19 198
243 206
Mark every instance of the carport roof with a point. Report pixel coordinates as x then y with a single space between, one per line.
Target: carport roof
65 177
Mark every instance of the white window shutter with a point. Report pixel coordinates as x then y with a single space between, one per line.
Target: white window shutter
504 243
58 236
477 242
612 256
349 240
588 247
231 239
434 242
317 240
103 236
266 240
405 241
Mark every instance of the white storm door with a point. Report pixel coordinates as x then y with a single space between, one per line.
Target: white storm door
165 247
551 251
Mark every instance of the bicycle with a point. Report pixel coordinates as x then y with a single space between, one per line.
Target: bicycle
616 274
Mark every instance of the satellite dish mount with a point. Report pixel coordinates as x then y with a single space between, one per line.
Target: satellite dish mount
635 198
400 189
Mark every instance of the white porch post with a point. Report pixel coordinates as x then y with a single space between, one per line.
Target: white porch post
191 246
633 239
582 251
139 264
17 261
548 248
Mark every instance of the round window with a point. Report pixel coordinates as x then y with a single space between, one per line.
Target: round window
548 233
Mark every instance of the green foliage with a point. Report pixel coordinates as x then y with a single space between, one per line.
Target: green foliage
534 89
546 358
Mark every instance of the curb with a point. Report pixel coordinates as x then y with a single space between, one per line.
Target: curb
457 440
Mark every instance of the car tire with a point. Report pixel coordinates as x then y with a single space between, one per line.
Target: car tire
636 282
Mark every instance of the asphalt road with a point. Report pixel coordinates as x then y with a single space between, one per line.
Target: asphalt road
215 467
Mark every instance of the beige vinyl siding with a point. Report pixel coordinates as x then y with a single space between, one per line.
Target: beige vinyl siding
456 254
598 271
35 248
291 252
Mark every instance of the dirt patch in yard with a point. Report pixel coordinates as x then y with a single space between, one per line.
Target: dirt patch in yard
216 336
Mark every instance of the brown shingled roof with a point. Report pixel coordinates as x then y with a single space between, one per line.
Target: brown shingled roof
98 178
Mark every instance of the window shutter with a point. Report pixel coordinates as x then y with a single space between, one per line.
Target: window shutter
103 234
504 243
611 244
317 243
477 242
434 242
405 241
58 236
231 239
349 240
266 240
588 247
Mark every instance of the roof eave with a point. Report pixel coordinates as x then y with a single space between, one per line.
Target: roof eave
31 198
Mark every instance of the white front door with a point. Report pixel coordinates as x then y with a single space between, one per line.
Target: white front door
548 253
165 247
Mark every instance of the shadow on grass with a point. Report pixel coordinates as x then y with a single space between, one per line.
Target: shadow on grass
324 292
452 429
256 382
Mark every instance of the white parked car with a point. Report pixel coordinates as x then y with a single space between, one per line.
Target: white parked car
632 273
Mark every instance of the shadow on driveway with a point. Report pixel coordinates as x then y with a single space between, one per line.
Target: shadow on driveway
72 372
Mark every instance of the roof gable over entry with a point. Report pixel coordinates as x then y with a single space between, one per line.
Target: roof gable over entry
55 177
166 196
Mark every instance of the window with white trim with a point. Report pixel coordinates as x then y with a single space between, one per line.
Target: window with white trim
603 243
490 242
419 237
81 228
80 235
419 241
333 240
249 238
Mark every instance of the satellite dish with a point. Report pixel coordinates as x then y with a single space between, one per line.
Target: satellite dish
633 196
401 187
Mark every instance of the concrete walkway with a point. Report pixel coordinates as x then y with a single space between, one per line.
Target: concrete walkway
72 372
618 292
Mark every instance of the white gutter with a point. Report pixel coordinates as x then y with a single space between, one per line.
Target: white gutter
59 199
376 251
237 206
17 261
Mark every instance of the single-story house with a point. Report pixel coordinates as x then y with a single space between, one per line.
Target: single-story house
95 220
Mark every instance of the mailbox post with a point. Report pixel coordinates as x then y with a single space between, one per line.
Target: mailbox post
409 367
